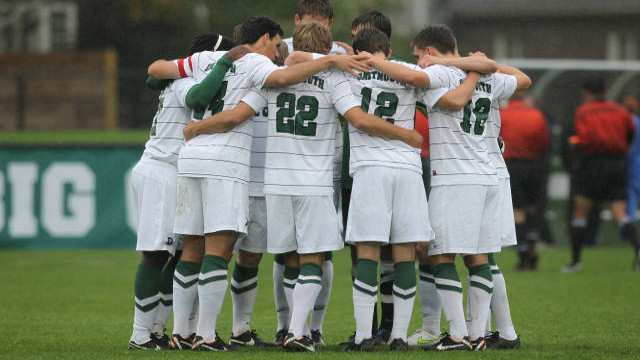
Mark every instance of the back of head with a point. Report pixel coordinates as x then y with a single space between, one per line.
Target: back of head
283 53
372 41
255 26
312 37
210 42
373 19
436 36
321 8
594 85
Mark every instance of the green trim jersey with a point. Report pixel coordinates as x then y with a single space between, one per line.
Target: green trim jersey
303 122
457 139
224 155
165 137
494 124
394 102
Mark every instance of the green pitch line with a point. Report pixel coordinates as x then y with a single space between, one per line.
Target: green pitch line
74 137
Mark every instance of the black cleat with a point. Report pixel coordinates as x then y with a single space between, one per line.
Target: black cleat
148 345
448 343
280 336
248 338
479 344
365 346
494 341
399 345
303 344
351 339
382 337
162 340
180 343
316 336
216 345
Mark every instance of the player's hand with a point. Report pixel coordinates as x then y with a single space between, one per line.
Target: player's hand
351 63
428 60
237 53
478 53
346 46
414 139
190 131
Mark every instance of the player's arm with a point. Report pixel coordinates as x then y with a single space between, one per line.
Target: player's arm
399 72
376 126
300 72
220 122
298 57
524 82
481 64
163 69
455 100
155 84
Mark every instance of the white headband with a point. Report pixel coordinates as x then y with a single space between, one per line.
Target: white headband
218 43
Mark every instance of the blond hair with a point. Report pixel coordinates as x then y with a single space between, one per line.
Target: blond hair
312 37
283 53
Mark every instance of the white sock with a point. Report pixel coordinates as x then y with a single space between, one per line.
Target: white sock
212 286
500 306
244 288
163 313
320 307
365 296
479 295
429 302
404 294
185 297
304 297
282 307
143 320
449 291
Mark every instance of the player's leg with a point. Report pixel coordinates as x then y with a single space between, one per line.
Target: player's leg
505 335
578 230
320 307
165 305
185 291
365 292
282 307
387 272
429 302
479 295
404 293
627 229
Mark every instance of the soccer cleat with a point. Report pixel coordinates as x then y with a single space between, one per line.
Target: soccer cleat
479 344
350 340
162 340
422 337
398 345
571 268
280 336
303 344
180 343
248 338
447 343
494 341
382 337
147 345
216 345
316 336
365 346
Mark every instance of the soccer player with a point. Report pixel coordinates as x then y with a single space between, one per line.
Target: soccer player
315 10
214 168
154 186
298 174
464 184
604 131
388 201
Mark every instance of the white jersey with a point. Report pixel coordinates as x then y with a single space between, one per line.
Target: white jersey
335 48
494 123
394 102
303 122
457 140
224 155
166 136
258 151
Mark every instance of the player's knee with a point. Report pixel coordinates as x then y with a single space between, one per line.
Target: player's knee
249 259
155 259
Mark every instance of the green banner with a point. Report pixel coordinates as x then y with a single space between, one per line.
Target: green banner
67 197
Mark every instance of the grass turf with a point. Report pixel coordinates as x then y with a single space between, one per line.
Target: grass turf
79 305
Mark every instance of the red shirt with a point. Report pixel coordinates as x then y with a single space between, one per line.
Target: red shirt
422 126
602 128
524 131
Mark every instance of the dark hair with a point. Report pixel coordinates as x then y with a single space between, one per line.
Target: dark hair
373 19
437 36
594 85
315 7
207 42
256 26
371 40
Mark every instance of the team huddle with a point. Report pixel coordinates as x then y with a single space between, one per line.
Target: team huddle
245 157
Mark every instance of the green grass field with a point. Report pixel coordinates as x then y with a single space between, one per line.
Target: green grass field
79 305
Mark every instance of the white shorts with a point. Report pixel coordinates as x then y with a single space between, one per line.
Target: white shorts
508 237
154 189
465 219
207 205
256 239
306 223
388 205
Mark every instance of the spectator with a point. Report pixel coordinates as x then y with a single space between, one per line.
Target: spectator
633 160
603 133
526 137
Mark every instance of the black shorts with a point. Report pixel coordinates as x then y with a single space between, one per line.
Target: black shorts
528 179
601 178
